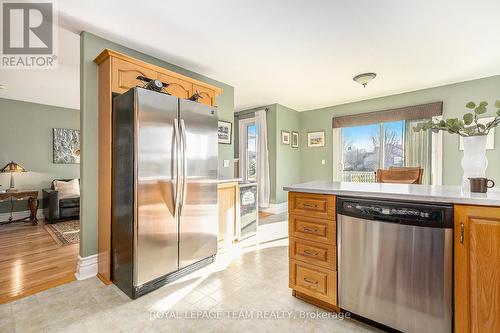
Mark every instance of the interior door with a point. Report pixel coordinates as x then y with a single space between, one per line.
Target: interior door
156 252
198 225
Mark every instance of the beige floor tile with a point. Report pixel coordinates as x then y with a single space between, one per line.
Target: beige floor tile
255 280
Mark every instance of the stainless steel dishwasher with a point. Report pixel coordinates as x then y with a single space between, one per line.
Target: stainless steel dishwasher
396 264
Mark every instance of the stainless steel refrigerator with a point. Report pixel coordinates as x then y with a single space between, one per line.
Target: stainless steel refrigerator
164 202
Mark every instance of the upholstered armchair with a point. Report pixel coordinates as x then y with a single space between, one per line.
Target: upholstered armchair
58 207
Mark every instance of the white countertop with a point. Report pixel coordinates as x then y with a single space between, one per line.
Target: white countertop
422 193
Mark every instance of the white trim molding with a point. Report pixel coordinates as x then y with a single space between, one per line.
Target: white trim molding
276 208
86 267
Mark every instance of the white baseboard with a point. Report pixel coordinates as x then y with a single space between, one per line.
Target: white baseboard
86 267
20 215
276 208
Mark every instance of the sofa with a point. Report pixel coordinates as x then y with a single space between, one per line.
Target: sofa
59 208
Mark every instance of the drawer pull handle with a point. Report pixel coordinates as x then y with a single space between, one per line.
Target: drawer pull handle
310 205
310 253
461 232
310 230
313 282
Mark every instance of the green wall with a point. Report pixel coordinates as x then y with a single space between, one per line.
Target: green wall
288 169
90 46
454 96
284 161
26 138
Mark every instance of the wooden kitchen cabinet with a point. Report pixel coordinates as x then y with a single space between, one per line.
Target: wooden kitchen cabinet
313 248
124 75
207 96
176 86
477 269
228 196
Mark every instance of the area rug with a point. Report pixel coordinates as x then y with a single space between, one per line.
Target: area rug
65 233
274 218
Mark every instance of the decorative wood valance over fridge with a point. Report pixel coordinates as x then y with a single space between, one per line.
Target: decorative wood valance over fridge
416 112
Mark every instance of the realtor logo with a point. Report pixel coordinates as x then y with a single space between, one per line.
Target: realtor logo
28 30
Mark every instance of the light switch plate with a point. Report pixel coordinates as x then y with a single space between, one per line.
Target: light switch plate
323 162
226 163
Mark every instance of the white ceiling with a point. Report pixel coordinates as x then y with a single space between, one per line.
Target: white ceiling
303 54
59 86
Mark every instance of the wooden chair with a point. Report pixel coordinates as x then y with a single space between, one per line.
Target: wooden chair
400 175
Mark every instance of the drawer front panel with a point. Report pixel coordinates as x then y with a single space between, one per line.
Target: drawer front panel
312 229
313 253
314 205
317 282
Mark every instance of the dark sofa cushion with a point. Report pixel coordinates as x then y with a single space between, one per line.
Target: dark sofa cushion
69 202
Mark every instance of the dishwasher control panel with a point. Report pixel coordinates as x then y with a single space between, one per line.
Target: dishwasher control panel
427 215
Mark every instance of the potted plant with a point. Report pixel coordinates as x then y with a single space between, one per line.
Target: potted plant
474 133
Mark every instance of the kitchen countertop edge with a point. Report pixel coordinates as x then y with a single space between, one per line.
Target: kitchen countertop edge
446 194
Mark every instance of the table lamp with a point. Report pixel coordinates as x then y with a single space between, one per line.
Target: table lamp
12 167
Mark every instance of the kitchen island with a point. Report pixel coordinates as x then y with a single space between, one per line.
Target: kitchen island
470 250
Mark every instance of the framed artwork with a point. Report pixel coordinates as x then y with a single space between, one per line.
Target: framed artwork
295 139
285 137
490 140
316 139
224 132
65 146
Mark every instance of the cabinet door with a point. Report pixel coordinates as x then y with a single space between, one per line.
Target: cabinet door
227 211
124 75
207 95
177 87
477 269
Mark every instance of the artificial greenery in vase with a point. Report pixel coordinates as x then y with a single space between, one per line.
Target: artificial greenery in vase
467 126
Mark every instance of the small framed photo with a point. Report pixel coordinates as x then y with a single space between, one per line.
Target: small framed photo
316 139
225 132
295 139
285 137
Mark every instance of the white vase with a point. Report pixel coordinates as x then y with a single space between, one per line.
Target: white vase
474 162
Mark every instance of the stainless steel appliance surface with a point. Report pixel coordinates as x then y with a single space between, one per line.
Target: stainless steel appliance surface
164 203
395 263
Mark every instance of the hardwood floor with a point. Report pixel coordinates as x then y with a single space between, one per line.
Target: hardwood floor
31 261
264 215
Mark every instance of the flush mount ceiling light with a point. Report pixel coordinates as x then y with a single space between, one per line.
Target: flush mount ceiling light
364 78
2 86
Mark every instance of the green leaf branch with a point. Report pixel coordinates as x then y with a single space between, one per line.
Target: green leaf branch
469 125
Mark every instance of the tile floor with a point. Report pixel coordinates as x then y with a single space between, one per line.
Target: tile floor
244 285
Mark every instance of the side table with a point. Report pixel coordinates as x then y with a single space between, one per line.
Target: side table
31 196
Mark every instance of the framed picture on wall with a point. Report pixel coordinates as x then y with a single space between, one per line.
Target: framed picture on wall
316 139
285 137
295 139
65 146
224 132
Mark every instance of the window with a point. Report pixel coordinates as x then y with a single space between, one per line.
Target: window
251 153
248 149
370 147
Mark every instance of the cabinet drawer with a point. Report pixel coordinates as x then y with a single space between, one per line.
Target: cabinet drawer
313 253
314 229
317 282
314 205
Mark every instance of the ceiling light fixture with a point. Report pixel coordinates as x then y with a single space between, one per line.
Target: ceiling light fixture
2 86
364 78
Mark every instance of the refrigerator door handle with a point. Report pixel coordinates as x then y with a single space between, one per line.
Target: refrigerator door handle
184 166
177 162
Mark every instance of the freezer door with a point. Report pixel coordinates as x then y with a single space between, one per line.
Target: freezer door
198 222
156 252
